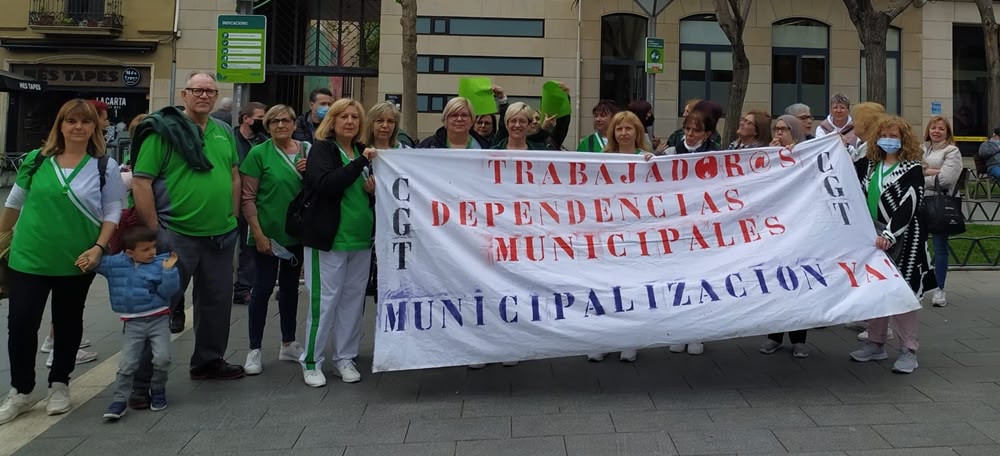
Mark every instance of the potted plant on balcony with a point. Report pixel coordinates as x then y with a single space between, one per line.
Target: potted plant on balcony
46 16
66 20
91 22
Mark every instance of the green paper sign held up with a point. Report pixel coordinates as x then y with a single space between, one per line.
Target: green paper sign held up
555 102
479 92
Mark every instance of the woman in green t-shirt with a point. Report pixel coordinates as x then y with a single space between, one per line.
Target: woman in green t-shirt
338 222
271 177
65 213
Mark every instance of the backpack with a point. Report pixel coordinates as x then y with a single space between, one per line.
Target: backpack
102 167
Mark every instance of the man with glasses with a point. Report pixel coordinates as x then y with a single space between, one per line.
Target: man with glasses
804 114
186 185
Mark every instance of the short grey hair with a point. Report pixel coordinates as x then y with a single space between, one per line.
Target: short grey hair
839 98
226 103
798 109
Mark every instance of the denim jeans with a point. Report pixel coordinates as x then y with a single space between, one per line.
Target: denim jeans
136 333
269 268
994 171
940 242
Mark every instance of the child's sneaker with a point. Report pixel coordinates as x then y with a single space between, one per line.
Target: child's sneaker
115 411
158 400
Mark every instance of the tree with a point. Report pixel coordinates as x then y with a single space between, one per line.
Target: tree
873 26
732 17
991 31
409 63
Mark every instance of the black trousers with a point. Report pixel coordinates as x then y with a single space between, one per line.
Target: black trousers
28 293
795 337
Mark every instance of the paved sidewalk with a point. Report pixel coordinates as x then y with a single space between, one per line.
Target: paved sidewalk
732 400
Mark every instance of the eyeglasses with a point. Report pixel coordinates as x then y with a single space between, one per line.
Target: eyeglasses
459 116
282 120
781 129
197 91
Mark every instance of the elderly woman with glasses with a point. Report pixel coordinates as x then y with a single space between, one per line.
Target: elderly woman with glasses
754 131
271 178
456 132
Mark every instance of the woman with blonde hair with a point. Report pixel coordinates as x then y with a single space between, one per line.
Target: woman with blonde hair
383 126
72 180
626 135
865 116
518 119
893 182
942 163
271 176
456 132
338 221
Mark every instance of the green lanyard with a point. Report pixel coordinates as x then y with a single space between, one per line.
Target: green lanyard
600 140
467 146
344 154
875 187
67 180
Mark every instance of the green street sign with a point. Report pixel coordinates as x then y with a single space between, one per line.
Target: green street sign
654 55
240 48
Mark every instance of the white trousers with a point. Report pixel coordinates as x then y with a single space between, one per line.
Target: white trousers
336 282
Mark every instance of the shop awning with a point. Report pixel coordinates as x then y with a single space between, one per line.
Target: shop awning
13 82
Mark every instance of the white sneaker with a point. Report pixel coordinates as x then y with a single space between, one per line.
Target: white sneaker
595 357
939 299
678 348
14 405
82 357
348 372
696 348
291 352
253 366
628 356
59 401
48 343
863 336
314 377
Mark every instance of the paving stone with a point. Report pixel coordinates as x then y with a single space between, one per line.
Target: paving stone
515 405
412 410
661 420
408 449
332 451
931 434
52 446
774 397
808 453
761 417
196 418
428 430
243 440
592 403
840 415
938 451
563 424
981 450
534 446
869 394
990 428
831 438
631 443
722 439
700 399
151 443
949 412
333 435
962 392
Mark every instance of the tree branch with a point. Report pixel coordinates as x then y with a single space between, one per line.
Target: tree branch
900 7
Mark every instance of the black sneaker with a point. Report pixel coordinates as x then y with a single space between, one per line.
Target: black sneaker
115 411
218 370
159 400
177 321
139 400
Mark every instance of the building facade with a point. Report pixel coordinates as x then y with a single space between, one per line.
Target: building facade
799 51
133 55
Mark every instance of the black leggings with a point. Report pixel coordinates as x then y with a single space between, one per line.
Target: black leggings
28 293
795 337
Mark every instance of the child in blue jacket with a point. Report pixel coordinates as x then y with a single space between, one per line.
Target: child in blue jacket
141 284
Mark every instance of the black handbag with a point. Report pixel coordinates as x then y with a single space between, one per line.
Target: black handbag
944 211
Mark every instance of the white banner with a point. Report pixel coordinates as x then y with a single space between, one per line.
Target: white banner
489 256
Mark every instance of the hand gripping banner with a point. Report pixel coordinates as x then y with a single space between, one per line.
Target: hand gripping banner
489 256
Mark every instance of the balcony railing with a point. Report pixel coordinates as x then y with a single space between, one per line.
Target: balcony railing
76 16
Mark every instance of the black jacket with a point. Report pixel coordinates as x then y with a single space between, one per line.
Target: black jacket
554 138
305 129
440 140
324 183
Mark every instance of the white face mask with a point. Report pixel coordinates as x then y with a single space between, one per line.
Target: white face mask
694 146
281 252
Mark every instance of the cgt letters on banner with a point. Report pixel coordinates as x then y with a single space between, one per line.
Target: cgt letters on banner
489 255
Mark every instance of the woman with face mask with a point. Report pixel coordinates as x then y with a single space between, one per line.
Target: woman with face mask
271 177
699 129
893 182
